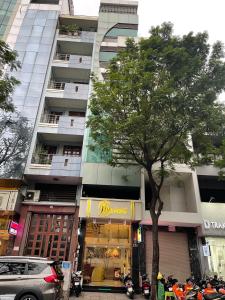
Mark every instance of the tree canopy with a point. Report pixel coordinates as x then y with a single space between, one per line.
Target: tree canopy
15 135
157 94
8 63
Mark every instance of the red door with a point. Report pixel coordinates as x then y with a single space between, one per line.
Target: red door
49 236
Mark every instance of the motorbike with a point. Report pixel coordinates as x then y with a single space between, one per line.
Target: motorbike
193 295
76 281
146 287
129 289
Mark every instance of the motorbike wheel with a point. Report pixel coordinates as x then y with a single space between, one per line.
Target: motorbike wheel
131 296
77 294
147 296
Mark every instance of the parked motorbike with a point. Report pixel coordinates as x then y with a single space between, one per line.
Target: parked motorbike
76 281
193 295
129 288
146 286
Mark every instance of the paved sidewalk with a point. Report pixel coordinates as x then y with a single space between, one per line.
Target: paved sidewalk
105 296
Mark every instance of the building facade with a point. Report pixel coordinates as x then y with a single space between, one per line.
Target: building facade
55 50
212 230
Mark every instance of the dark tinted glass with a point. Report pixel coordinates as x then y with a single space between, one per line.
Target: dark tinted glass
12 268
35 268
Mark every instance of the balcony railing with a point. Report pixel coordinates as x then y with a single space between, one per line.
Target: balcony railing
50 119
46 159
42 159
70 34
56 85
62 56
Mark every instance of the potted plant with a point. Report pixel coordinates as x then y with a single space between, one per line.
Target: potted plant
70 29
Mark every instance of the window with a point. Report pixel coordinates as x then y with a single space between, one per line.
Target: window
12 268
34 268
72 150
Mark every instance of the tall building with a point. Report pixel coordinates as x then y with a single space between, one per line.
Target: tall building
110 206
55 50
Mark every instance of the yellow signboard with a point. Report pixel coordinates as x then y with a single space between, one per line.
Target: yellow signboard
105 210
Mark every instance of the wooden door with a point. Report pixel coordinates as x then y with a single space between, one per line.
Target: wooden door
49 236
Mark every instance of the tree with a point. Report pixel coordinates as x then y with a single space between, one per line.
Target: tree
15 135
159 93
8 61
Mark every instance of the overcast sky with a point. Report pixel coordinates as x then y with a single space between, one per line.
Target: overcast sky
186 15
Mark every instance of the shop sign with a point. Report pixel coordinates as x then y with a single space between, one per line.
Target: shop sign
206 250
105 210
213 224
13 228
112 209
66 265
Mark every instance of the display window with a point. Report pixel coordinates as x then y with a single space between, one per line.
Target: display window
107 254
216 260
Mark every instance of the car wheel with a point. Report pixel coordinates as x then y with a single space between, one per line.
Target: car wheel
28 297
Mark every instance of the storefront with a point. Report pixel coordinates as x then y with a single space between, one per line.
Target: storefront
109 239
213 239
174 253
10 198
178 244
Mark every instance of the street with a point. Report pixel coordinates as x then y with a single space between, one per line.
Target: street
104 296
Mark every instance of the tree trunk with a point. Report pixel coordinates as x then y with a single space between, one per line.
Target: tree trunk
155 254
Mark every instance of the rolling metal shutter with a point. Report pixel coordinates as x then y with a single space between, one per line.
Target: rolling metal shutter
174 255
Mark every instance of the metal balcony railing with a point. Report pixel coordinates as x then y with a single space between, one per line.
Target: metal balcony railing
42 159
46 159
61 56
75 34
50 119
56 85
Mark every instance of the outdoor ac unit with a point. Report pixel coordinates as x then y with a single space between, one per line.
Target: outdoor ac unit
32 195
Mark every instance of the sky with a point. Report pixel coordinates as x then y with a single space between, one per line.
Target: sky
186 15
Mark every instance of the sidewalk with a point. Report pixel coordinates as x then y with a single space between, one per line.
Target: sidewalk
105 296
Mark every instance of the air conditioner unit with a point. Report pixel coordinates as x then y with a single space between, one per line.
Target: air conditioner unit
32 195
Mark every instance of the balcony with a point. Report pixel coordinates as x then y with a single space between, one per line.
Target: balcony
81 37
72 61
78 91
58 124
54 165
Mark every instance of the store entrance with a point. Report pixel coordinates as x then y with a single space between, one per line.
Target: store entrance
107 254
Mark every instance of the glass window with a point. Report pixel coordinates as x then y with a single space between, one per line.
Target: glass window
35 268
217 259
106 56
12 268
122 32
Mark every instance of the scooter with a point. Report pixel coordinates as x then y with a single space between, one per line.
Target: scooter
129 289
77 282
146 287
193 294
